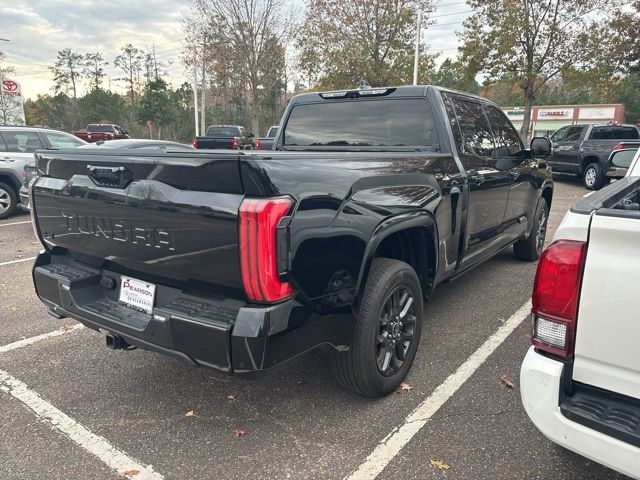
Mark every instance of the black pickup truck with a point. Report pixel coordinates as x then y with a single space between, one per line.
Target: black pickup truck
335 240
226 137
584 150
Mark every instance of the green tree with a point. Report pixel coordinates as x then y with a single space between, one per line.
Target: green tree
628 95
67 71
454 74
94 69
130 62
344 42
102 106
155 105
531 41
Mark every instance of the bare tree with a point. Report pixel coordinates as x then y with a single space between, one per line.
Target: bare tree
67 71
93 69
247 37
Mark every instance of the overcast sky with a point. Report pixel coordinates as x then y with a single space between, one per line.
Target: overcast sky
37 29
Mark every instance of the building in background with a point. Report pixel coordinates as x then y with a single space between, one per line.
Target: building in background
548 118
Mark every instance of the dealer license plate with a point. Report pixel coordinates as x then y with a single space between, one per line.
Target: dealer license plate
137 294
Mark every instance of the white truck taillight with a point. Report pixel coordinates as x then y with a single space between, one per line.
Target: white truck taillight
556 292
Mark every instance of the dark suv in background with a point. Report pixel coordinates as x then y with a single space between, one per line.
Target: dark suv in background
584 150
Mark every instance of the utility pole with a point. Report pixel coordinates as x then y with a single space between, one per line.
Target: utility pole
203 105
417 52
195 99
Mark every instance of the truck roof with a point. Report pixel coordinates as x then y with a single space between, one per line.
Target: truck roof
397 91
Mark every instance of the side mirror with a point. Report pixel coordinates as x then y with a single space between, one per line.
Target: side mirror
623 158
541 147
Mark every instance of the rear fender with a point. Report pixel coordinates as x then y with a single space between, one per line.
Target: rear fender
419 219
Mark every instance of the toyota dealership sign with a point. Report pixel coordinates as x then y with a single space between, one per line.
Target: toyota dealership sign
11 103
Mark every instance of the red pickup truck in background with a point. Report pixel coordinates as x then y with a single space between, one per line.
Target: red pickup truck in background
96 132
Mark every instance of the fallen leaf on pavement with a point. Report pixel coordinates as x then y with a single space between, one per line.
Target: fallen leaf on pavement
128 474
231 397
439 464
506 382
189 413
239 432
404 387
14 308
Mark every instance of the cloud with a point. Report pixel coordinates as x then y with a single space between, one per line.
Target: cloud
38 29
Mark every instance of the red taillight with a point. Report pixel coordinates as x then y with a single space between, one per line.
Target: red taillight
618 147
258 144
196 143
234 144
556 292
258 222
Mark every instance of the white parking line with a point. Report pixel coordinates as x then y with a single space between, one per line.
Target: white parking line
92 443
25 342
2 264
391 445
14 223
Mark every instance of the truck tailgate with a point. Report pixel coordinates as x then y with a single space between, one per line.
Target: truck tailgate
165 218
608 326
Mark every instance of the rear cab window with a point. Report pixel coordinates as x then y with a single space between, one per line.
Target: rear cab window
100 129
223 132
398 122
614 133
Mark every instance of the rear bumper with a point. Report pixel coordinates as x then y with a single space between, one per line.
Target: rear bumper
24 199
224 334
540 387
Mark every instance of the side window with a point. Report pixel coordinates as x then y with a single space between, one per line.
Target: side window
22 141
573 134
506 136
242 132
57 140
474 126
560 135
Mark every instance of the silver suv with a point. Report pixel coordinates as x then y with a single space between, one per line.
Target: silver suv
17 145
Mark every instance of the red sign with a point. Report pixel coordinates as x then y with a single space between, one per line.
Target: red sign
149 123
10 85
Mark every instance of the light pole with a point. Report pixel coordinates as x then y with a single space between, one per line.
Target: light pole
416 58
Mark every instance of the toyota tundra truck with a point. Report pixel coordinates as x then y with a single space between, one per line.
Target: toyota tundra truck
335 240
580 380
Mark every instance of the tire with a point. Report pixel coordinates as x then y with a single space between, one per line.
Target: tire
593 178
8 201
529 249
361 369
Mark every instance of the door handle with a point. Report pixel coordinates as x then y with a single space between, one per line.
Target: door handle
477 178
7 159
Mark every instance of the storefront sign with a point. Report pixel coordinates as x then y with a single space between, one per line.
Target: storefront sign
555 113
514 113
597 113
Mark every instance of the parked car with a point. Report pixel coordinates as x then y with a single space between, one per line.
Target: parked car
335 240
583 150
580 381
619 161
230 137
17 145
96 132
266 143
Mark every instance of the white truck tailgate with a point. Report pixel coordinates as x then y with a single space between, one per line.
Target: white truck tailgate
607 349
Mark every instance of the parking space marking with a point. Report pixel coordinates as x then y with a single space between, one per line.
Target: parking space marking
92 443
25 342
391 445
2 264
14 223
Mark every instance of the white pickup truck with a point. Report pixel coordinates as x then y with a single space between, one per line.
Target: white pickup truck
580 380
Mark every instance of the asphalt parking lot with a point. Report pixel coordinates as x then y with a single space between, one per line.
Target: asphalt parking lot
72 409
